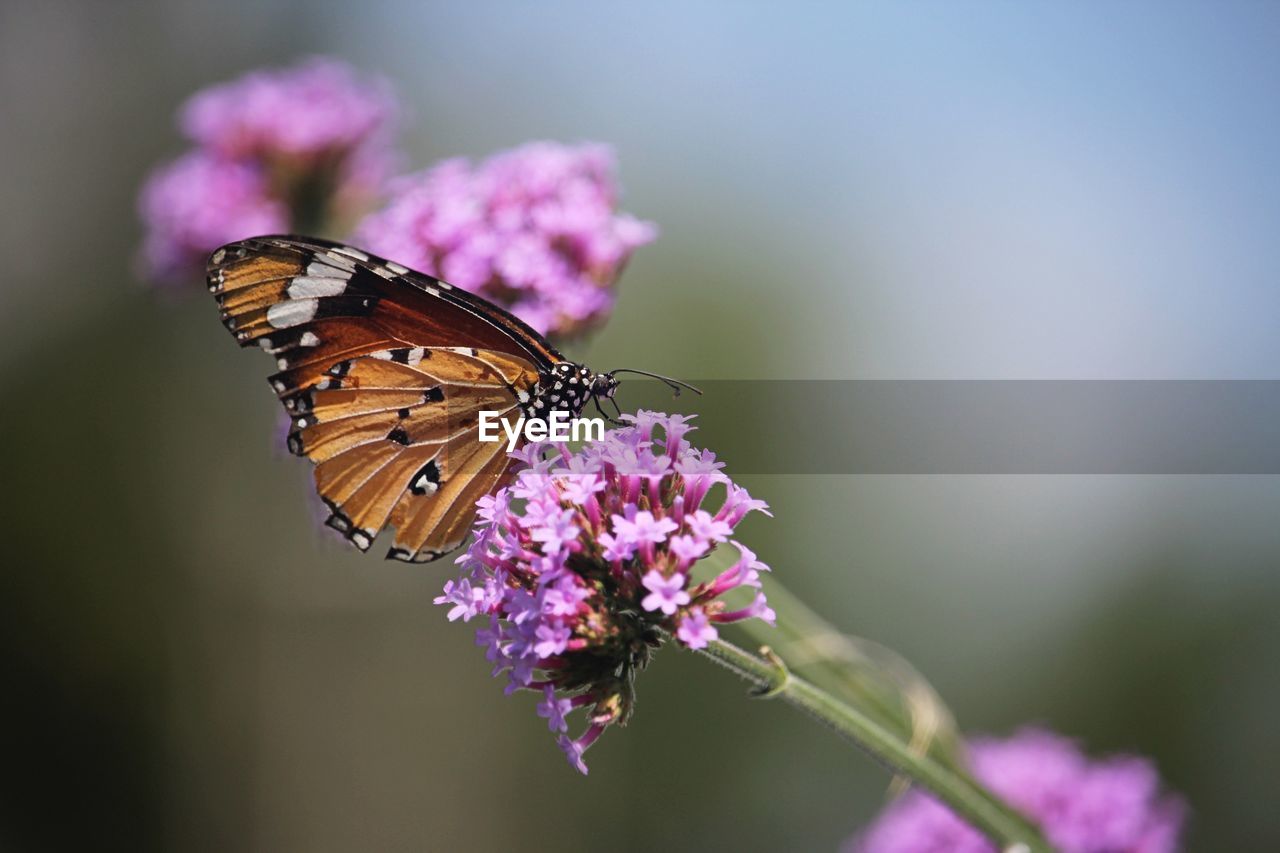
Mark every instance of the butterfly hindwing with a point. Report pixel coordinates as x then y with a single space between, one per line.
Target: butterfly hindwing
384 373
428 529
404 442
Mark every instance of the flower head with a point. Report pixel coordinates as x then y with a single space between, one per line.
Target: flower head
587 560
534 229
1082 805
317 109
293 149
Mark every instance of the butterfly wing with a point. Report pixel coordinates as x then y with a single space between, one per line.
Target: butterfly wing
385 372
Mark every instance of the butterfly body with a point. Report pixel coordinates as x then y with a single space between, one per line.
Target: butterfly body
384 372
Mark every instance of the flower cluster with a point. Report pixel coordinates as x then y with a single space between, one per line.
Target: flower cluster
274 151
1082 805
309 112
587 560
534 229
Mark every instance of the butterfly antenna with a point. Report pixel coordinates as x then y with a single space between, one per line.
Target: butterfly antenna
674 384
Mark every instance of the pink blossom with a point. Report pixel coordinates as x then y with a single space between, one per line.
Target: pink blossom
198 202
665 594
318 108
535 229
581 584
1083 805
276 151
695 630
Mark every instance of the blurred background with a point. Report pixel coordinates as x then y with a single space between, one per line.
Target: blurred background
871 191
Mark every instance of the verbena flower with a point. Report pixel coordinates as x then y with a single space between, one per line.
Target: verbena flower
534 229
313 113
1109 805
197 203
297 149
586 561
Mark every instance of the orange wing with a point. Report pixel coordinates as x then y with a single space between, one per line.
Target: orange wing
396 442
385 373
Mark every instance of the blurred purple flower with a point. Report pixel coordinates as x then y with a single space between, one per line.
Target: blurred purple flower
1109 805
535 229
577 585
304 148
317 110
197 203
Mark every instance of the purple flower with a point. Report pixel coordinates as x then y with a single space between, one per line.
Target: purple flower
280 150
615 549
553 709
643 527
465 599
534 229
198 202
702 525
551 639
1108 805
758 609
319 109
696 630
581 584
665 594
563 596
573 751
491 639
555 530
688 548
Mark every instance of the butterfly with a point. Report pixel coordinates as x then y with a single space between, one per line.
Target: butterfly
384 372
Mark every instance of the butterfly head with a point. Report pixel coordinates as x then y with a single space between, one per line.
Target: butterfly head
604 385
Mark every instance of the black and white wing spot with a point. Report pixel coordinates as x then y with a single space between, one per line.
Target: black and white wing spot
427 480
339 521
423 556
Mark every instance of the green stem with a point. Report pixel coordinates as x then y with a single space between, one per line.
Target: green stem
771 678
901 699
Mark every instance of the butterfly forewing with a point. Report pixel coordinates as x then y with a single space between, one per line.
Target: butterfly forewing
384 372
